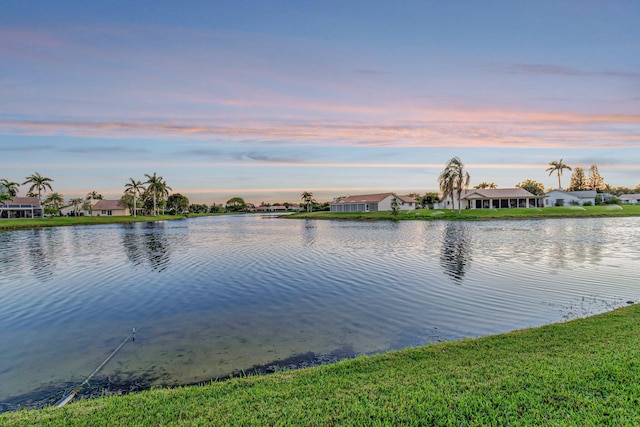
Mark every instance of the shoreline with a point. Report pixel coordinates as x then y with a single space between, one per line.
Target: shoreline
531 376
39 223
49 396
603 211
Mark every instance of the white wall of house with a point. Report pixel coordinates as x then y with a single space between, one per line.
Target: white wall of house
446 204
371 205
630 199
568 198
385 204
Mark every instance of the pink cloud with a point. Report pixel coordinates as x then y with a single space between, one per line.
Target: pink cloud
471 129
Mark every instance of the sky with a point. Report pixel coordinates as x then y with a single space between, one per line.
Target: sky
266 100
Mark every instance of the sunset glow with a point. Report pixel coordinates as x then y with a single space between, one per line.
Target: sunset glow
265 101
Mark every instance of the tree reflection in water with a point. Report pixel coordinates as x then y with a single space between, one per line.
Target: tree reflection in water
42 250
308 233
145 243
455 255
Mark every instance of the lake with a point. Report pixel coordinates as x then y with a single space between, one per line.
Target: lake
215 296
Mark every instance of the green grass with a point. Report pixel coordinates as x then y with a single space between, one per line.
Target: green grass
15 224
420 214
483 214
580 373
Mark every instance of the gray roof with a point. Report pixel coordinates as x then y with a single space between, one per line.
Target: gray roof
108 205
372 198
33 201
629 197
496 193
586 194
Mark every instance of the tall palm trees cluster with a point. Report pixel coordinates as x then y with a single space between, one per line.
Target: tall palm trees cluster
154 190
147 195
308 200
38 185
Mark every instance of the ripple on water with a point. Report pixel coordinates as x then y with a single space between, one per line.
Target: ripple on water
219 294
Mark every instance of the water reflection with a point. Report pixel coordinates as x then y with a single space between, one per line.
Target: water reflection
42 252
253 291
455 255
5 254
308 232
586 246
147 246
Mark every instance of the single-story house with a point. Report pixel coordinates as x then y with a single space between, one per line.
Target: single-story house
110 208
278 208
21 207
566 198
71 210
630 199
371 203
493 198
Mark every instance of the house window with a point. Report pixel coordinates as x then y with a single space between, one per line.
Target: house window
107 213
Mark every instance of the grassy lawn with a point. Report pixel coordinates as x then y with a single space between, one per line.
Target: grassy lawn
420 214
15 224
483 214
580 373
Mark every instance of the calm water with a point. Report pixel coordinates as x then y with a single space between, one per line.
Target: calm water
212 296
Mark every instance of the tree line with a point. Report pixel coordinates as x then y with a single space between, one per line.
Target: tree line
151 196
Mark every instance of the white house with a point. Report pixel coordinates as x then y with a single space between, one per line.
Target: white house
110 208
630 199
567 198
371 203
492 198
21 207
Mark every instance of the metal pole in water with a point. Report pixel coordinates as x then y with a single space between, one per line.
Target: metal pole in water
75 391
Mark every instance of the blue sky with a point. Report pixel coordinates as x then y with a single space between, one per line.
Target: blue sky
265 100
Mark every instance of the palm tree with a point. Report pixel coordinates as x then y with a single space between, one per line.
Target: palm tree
557 166
445 182
38 182
485 184
135 188
53 202
154 184
454 179
157 187
94 195
11 187
307 198
164 192
75 202
3 198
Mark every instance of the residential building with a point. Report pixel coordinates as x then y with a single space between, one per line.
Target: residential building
278 208
109 208
493 198
21 207
630 199
568 198
371 203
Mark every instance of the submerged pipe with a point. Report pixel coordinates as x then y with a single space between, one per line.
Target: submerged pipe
75 391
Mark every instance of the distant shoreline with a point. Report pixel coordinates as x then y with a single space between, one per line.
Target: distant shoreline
605 211
61 221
